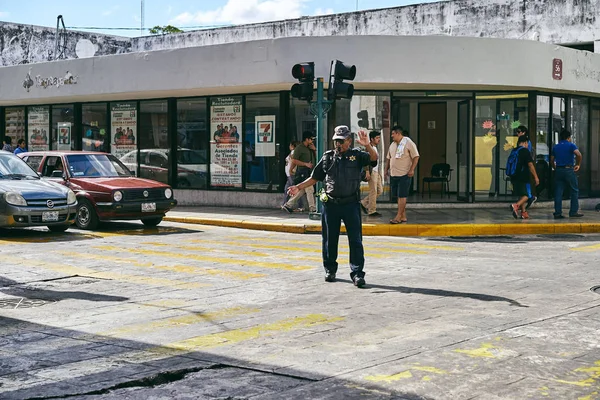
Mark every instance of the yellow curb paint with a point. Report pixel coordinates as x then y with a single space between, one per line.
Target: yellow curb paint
483 351
186 269
590 228
177 322
206 258
486 229
241 335
72 270
390 378
594 247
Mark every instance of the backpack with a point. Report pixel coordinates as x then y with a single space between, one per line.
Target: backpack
512 163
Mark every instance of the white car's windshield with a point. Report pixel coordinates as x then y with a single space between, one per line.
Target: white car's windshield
96 166
12 167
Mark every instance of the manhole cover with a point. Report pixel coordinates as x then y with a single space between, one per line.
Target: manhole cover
22 302
596 289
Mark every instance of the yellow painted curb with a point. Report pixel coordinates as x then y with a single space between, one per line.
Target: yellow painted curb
427 230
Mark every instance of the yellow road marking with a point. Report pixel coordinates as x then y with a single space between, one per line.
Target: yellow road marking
241 335
220 248
206 258
483 351
138 232
592 372
177 322
186 269
390 378
591 248
72 270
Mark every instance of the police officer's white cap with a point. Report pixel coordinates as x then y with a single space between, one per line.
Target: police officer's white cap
341 132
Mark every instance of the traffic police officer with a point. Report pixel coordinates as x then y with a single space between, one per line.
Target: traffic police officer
341 169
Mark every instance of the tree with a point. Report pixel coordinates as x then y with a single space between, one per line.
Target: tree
163 30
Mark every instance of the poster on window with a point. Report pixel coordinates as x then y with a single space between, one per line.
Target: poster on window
123 128
38 126
64 135
15 124
226 164
225 119
264 135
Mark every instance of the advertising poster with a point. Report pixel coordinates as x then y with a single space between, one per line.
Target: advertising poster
64 135
264 135
123 122
38 119
225 145
15 124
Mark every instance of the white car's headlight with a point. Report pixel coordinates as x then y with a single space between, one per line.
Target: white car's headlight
71 198
168 193
118 196
15 199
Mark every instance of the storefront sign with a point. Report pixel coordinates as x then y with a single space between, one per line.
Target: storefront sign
46 82
557 69
226 146
64 135
38 126
264 131
123 121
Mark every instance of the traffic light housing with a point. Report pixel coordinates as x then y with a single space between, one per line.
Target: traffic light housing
305 73
338 89
363 119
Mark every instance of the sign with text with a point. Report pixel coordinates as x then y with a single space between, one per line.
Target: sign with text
264 135
226 165
123 128
557 69
38 125
226 119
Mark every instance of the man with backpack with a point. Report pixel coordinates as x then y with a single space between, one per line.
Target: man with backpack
520 169
532 198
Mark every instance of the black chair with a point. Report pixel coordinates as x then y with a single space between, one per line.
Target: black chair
440 173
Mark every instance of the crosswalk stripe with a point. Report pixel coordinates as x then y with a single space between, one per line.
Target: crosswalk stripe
591 248
73 270
208 248
186 269
207 258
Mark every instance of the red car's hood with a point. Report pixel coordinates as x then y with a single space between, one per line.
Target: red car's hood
117 183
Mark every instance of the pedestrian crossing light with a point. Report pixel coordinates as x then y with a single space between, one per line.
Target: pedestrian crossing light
305 73
363 119
338 89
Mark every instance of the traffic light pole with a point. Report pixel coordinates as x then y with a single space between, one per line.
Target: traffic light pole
319 109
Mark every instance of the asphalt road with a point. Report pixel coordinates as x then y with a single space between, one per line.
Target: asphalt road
202 312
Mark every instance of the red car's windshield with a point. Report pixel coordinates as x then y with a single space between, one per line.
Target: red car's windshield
96 166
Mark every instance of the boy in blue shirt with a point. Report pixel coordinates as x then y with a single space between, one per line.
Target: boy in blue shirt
531 197
566 160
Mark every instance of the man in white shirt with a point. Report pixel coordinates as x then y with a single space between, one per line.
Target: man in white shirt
400 165
369 203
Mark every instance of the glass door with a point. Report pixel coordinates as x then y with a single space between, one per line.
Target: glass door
462 151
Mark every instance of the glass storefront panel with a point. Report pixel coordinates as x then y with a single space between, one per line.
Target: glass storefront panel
579 125
192 144
63 119
94 127
154 141
226 142
542 148
14 126
594 154
262 142
124 133
38 128
559 114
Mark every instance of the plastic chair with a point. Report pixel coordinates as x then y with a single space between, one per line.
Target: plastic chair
440 173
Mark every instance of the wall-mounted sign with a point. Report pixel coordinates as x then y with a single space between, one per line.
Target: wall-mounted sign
557 69
264 131
45 82
430 124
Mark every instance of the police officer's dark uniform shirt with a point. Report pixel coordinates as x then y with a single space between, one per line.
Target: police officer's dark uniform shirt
341 172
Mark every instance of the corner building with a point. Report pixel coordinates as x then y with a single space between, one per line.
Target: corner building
210 112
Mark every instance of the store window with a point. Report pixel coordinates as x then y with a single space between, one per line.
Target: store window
543 138
262 140
579 126
14 125
594 153
94 127
154 141
63 119
124 134
192 144
38 128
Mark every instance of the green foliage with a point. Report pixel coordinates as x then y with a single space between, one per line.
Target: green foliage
163 30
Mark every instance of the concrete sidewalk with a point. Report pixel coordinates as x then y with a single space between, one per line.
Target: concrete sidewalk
436 220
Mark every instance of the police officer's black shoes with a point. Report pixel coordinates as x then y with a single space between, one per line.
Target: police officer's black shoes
358 281
329 277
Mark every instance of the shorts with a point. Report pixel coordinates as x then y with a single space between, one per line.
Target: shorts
400 186
521 189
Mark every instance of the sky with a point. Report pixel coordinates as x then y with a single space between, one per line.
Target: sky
184 14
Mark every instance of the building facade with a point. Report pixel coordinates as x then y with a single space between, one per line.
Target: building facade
210 112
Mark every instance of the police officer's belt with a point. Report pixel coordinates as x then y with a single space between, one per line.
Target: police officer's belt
342 200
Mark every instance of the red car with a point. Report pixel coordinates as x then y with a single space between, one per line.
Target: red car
105 188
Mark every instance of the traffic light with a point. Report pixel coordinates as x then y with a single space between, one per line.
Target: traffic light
363 119
338 89
305 73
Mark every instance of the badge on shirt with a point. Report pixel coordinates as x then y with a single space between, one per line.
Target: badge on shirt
352 158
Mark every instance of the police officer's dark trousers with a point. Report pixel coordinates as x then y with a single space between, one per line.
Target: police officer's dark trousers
331 219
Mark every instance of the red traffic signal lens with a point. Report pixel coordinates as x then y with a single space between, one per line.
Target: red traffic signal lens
304 72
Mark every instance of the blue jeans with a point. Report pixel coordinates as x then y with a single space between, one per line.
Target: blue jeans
332 216
565 177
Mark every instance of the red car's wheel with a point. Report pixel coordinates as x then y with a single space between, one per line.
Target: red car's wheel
86 215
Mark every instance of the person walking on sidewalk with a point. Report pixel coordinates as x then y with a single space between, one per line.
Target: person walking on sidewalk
521 180
304 160
369 203
402 159
531 195
340 169
566 160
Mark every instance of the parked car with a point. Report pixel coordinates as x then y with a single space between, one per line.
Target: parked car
105 188
27 200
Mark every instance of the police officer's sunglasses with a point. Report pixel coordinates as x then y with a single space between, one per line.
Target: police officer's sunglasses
339 141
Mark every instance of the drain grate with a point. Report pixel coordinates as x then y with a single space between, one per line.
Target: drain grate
596 289
22 302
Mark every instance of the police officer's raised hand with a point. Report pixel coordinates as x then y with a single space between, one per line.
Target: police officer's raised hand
363 138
